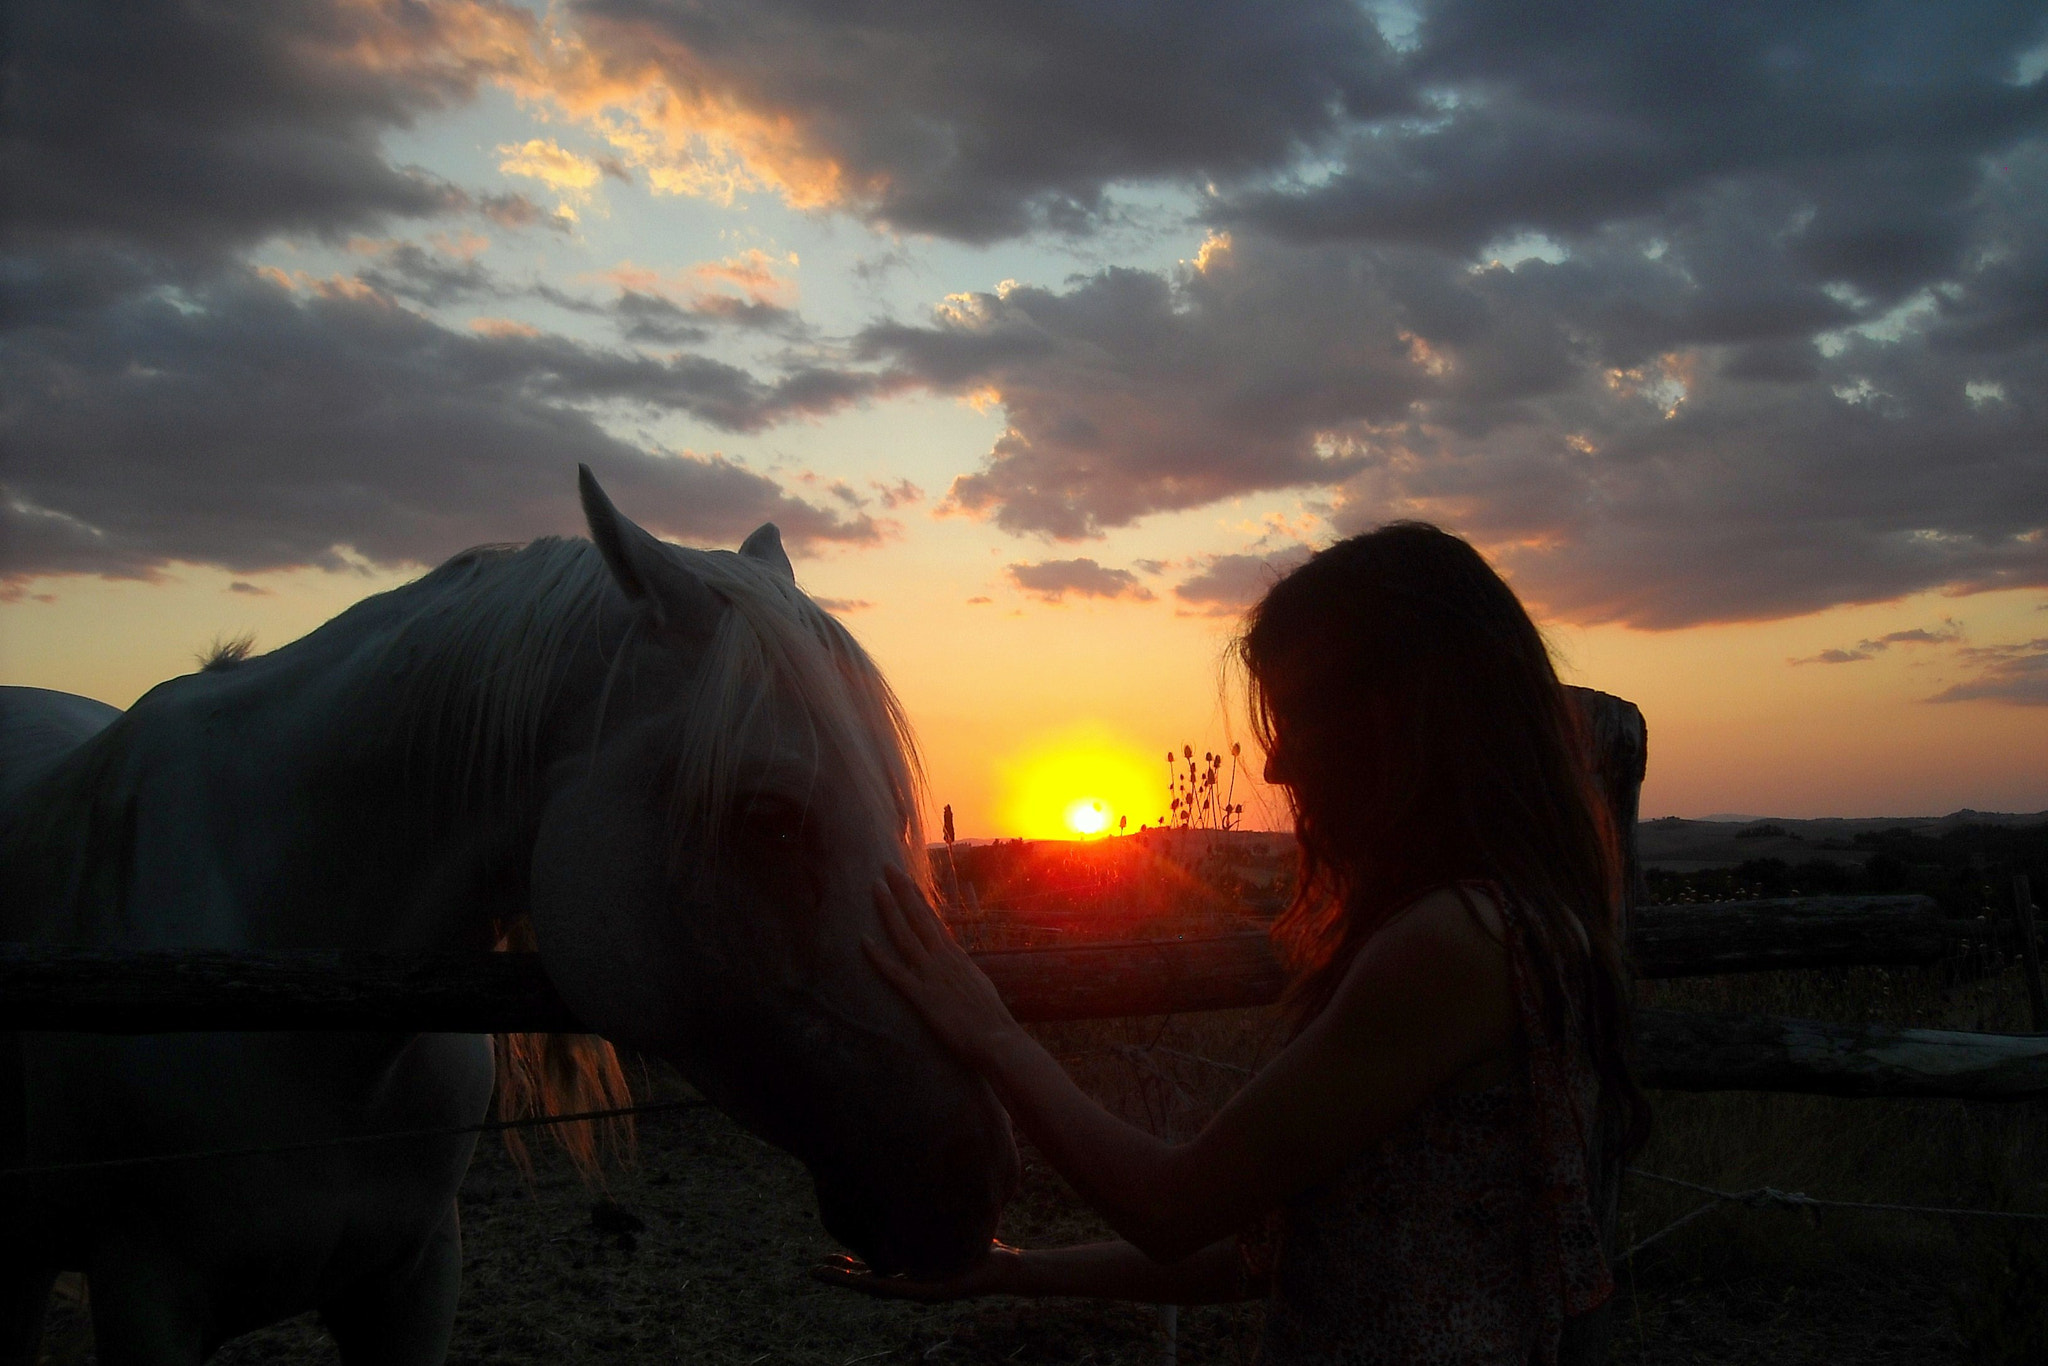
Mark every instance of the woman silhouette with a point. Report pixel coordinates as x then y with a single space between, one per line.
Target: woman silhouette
1409 1179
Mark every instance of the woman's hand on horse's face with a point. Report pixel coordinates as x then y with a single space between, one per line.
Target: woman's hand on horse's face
936 975
994 1274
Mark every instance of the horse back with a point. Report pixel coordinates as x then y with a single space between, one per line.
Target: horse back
38 727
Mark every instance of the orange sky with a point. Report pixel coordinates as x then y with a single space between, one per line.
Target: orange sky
998 690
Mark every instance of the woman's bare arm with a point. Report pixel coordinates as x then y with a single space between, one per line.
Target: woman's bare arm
1428 1000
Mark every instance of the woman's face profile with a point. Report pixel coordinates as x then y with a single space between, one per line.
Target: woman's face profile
1288 689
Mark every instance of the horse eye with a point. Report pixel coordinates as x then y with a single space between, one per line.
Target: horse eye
774 826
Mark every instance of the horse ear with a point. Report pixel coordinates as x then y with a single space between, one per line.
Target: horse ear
765 545
640 563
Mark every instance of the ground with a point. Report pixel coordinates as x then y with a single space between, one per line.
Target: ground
699 1254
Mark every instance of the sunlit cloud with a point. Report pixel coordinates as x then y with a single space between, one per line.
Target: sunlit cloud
502 327
1052 580
754 276
571 176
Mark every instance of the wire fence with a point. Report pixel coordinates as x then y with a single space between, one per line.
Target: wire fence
1770 1197
489 1126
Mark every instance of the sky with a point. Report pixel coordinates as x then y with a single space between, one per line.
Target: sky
1049 334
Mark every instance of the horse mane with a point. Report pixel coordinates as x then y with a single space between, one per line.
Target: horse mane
483 660
225 653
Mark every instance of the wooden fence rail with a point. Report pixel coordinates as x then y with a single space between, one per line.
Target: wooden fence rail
164 991
1684 1051
1790 932
167 991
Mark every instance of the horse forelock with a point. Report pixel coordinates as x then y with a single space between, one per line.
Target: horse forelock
774 641
484 664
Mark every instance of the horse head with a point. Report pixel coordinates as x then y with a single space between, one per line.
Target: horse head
703 875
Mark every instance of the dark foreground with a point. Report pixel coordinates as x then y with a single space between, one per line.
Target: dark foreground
700 1257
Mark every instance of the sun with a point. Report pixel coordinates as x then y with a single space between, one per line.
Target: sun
1088 817
1078 783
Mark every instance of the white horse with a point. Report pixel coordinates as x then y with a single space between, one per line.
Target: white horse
668 767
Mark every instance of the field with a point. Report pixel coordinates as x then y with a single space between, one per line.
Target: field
699 1251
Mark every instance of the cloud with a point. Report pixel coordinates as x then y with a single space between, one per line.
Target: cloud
843 605
511 209
553 165
2014 674
1227 584
1603 424
161 401
407 270
1869 649
902 493
968 121
1134 393
750 290
1685 315
253 425
187 132
1052 580
1868 122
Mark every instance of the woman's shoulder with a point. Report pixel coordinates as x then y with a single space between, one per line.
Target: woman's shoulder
1450 933
1473 913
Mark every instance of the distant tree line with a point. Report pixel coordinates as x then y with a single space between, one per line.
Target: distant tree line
1967 870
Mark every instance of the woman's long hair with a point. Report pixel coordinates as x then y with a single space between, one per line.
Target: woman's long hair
1425 742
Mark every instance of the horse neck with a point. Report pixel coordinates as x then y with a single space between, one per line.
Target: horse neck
303 800
454 805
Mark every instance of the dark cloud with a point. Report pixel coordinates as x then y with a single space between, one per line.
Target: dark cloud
1768 330
1560 118
161 402
1871 649
192 130
2015 674
514 210
1917 636
1133 393
979 121
251 427
1052 580
407 270
657 320
1227 584
1600 422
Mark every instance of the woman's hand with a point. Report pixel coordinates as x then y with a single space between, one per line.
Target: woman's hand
994 1274
935 974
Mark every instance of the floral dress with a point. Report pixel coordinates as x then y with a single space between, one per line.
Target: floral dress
1464 1237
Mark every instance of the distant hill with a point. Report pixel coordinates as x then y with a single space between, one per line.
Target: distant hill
1671 843
1684 846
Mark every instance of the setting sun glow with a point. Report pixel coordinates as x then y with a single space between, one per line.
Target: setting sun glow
1079 783
1088 817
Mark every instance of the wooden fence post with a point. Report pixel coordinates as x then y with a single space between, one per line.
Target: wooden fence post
1619 743
2030 950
